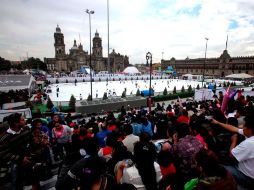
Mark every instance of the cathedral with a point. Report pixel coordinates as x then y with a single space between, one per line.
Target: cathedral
78 57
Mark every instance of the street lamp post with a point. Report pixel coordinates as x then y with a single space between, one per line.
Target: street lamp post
204 62
89 12
108 65
149 57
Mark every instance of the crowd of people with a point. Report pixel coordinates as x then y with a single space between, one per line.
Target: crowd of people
185 145
13 96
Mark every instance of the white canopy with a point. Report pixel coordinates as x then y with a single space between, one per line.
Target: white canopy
240 76
131 70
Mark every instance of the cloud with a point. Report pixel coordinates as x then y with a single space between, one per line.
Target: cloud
176 27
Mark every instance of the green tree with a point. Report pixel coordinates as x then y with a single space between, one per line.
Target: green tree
138 93
72 102
189 88
34 63
50 104
224 84
182 90
220 85
5 65
204 85
124 94
198 87
105 96
174 91
89 97
165 92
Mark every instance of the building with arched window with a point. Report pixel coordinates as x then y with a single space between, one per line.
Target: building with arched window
217 67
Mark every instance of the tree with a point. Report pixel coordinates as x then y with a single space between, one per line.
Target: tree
224 84
165 92
189 88
220 85
124 94
34 63
138 93
105 96
174 91
198 87
72 102
182 90
5 65
89 97
204 85
57 81
50 104
66 81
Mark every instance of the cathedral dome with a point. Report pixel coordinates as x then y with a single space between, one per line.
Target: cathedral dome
75 47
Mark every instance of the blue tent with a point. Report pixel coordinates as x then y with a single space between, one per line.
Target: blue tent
146 92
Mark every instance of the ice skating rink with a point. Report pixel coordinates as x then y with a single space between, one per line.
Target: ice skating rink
114 88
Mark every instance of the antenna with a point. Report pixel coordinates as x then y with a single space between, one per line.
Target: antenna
227 42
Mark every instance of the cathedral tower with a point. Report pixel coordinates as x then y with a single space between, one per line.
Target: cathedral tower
97 47
59 43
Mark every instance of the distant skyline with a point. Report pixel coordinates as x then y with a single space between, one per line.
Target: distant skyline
166 28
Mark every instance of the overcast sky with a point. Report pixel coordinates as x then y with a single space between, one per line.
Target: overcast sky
176 27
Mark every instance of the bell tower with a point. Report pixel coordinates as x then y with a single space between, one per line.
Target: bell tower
59 43
97 47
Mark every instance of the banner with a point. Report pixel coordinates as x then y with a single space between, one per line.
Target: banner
203 94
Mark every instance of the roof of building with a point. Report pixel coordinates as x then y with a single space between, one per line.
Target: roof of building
131 70
240 76
15 82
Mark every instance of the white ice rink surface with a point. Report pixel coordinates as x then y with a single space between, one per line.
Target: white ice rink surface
83 88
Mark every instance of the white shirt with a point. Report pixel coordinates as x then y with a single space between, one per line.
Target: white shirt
13 132
131 176
245 156
129 141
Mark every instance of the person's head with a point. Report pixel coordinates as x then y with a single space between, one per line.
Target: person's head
248 127
91 146
208 164
56 118
144 157
144 152
182 130
111 139
37 123
232 121
185 113
127 128
57 125
16 121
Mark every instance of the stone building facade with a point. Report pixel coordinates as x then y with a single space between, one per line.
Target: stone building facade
216 67
78 57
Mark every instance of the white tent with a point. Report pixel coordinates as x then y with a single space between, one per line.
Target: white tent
131 70
240 76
